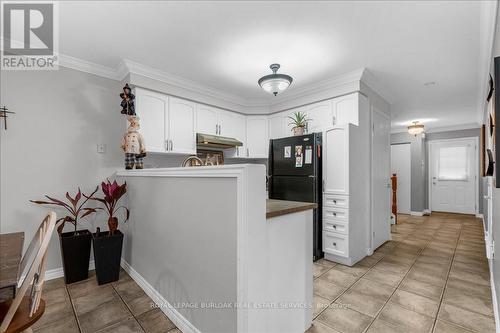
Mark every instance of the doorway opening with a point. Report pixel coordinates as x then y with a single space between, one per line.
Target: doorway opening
401 166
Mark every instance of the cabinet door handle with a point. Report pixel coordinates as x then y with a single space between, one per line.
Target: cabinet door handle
334 227
334 201
334 244
248 152
171 145
166 145
334 214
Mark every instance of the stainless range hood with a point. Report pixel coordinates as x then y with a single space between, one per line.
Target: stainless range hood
215 141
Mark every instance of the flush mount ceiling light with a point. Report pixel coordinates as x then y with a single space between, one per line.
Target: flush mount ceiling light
275 83
416 128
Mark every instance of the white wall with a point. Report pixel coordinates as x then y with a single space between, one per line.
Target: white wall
50 144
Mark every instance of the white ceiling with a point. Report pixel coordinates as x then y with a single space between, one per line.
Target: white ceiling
228 45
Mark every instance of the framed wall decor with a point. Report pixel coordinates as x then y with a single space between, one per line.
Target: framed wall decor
482 152
494 107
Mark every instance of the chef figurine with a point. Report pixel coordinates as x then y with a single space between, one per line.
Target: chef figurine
127 104
133 145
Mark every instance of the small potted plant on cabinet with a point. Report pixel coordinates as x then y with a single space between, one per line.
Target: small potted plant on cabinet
299 121
75 245
108 245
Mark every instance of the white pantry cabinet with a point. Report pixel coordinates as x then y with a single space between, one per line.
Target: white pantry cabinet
257 137
167 123
346 184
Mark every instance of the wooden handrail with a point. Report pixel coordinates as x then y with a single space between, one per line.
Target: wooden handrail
394 186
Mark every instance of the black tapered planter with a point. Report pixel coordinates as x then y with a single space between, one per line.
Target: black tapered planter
75 250
107 256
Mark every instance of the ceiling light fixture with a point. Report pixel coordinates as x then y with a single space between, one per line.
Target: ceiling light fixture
275 83
416 128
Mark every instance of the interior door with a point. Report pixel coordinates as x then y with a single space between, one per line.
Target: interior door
453 173
381 168
206 120
152 110
181 125
401 166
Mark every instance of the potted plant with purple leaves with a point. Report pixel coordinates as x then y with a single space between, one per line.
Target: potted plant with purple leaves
108 245
75 245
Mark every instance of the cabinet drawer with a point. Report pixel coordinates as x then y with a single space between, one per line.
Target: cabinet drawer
330 213
335 226
334 200
335 244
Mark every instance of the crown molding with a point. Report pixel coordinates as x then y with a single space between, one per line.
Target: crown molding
89 67
371 81
290 99
155 74
488 19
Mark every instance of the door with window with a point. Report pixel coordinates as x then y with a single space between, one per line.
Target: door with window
453 175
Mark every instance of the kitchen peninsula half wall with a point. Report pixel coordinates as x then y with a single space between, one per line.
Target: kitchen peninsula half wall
200 244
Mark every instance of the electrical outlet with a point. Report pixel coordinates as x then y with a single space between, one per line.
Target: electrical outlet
101 148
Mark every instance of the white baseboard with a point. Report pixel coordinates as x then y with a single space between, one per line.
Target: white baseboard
494 298
59 272
427 212
178 319
416 213
480 216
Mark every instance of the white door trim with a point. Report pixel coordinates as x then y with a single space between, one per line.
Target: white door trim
375 110
476 168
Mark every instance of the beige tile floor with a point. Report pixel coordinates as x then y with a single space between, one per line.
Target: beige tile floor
119 307
432 277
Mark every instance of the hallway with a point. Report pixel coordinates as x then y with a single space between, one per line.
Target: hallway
432 277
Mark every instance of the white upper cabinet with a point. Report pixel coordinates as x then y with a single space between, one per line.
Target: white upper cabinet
233 125
288 122
320 115
152 108
276 126
182 132
345 109
167 123
206 119
257 137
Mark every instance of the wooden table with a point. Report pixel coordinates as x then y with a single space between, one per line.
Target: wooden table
11 251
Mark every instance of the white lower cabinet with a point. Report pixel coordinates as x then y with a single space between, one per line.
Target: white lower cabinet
334 243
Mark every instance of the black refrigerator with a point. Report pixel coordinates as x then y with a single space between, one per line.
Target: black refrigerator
295 175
